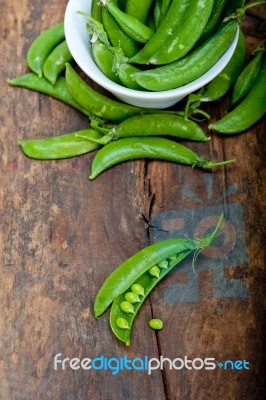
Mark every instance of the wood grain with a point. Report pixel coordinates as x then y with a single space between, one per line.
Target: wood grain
61 235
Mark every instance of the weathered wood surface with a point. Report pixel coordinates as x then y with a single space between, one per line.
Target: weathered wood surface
61 235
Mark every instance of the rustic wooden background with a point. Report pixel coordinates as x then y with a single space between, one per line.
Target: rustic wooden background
61 235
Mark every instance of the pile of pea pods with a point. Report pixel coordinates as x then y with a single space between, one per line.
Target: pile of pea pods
121 132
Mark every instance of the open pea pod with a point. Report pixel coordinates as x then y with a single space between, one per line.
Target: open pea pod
129 284
148 282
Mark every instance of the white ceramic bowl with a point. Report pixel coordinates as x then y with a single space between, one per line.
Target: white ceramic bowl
79 45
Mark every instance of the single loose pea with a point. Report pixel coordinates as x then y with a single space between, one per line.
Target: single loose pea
127 307
132 297
122 323
156 323
163 264
154 271
138 289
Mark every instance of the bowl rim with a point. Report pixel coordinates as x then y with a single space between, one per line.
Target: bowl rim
71 10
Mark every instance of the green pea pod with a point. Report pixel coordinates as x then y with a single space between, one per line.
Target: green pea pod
96 11
247 78
166 4
104 59
172 21
97 104
59 90
190 67
63 146
138 9
55 62
221 84
248 112
117 36
186 36
153 125
130 25
126 149
42 46
156 13
215 17
134 271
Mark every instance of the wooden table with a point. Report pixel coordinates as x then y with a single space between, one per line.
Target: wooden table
61 235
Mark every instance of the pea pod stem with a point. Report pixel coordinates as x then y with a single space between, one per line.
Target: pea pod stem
240 12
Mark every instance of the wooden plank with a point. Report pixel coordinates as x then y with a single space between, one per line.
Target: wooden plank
61 235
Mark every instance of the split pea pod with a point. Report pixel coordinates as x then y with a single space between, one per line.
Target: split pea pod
126 274
190 67
130 25
153 125
138 9
148 283
97 104
185 37
55 62
247 77
126 149
248 112
63 146
42 46
134 276
59 90
172 21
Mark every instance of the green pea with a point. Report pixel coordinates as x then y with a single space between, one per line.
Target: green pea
138 289
163 264
132 297
127 307
156 323
122 323
154 271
